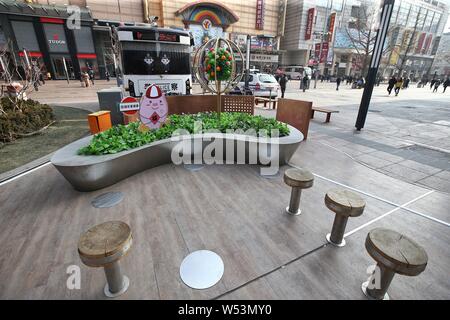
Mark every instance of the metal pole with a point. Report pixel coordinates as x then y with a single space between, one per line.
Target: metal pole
386 276
65 69
247 63
114 277
323 34
377 52
294 202
338 230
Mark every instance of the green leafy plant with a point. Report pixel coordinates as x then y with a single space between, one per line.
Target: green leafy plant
126 137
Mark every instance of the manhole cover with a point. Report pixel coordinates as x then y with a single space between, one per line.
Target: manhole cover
107 200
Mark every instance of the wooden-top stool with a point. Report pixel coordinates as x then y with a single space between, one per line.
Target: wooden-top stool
298 179
394 253
345 204
103 246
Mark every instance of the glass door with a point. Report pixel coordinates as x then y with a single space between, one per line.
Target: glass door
60 70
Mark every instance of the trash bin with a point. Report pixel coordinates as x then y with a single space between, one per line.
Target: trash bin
109 99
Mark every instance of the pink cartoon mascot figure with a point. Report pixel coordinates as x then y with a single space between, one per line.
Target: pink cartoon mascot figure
153 107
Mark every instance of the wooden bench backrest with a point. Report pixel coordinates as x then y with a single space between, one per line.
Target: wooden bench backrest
297 113
208 102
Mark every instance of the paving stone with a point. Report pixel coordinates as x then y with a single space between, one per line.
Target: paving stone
436 183
372 161
405 172
430 170
443 175
387 156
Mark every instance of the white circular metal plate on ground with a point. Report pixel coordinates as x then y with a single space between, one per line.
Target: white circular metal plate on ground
194 167
201 269
107 200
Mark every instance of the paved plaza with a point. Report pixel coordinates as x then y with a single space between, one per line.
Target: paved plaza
406 137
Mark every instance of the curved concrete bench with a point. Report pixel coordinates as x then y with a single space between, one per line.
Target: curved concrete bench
89 173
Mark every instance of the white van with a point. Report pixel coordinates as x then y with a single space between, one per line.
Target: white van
296 72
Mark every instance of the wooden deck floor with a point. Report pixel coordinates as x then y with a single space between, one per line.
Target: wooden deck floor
230 210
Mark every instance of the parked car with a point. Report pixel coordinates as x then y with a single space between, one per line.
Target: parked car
260 84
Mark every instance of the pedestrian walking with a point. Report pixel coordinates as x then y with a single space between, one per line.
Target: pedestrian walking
398 86
391 84
338 82
437 83
283 81
305 82
91 75
446 84
432 83
107 75
406 83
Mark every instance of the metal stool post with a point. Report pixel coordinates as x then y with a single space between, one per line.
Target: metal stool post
338 229
386 277
344 204
114 277
297 179
103 246
394 253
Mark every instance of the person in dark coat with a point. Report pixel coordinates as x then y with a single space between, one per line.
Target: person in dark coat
338 82
446 84
437 83
391 84
305 82
283 81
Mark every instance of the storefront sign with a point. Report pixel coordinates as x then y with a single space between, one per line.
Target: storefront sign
324 55
129 105
259 15
264 57
427 44
331 22
309 23
281 17
420 42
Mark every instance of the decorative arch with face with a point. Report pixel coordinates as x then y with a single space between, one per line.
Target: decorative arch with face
153 107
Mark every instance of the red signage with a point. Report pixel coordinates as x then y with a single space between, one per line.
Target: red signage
427 44
420 42
129 105
331 22
324 55
309 23
259 15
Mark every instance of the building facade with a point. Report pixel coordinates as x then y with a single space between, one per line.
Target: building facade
262 20
310 31
441 63
325 34
417 28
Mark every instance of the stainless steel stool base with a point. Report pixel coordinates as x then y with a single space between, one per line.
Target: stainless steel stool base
194 167
201 269
364 290
299 212
339 245
126 284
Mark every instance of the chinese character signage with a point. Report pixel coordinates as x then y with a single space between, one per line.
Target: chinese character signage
331 21
324 55
259 15
309 23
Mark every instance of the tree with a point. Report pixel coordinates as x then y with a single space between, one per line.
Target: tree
361 32
21 76
411 42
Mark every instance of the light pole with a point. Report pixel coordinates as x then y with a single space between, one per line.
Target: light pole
377 52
